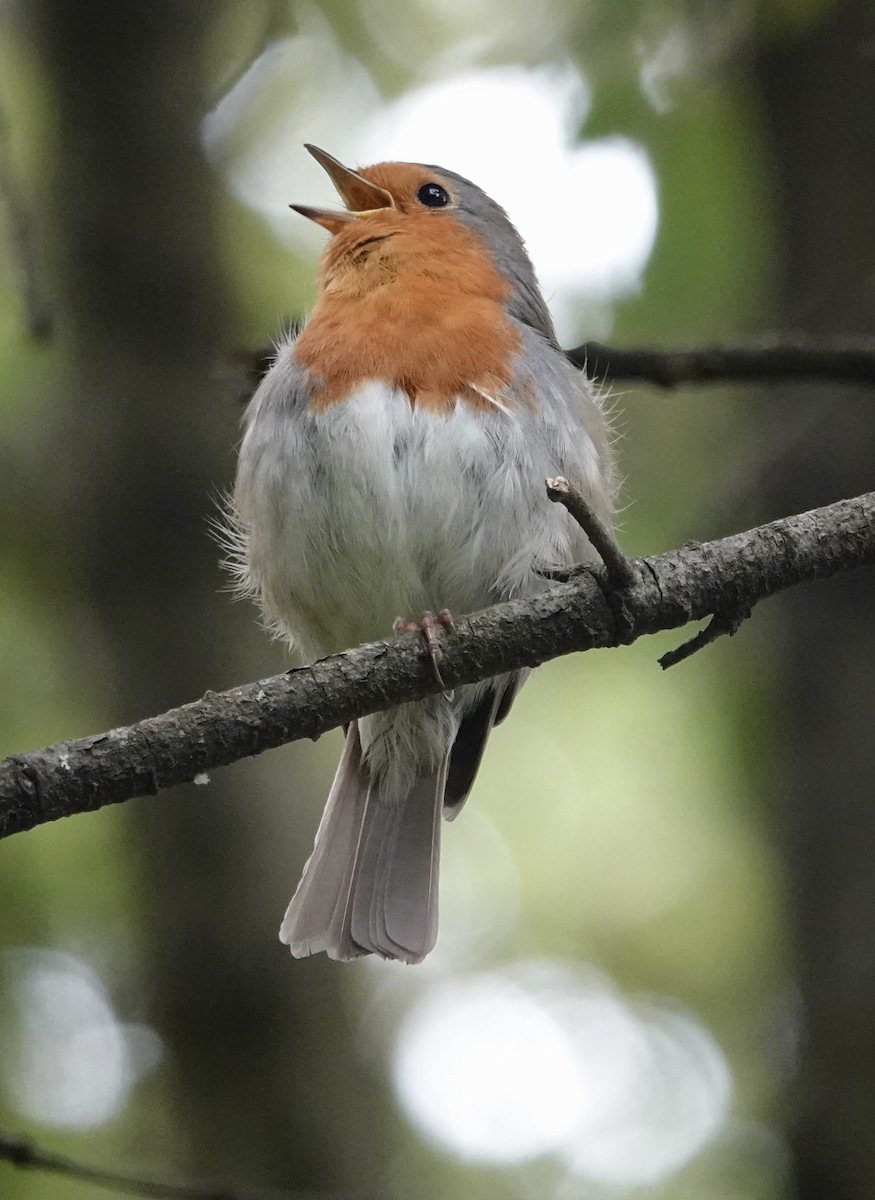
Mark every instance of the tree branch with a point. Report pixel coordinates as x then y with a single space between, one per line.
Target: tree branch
765 360
842 360
696 581
21 1153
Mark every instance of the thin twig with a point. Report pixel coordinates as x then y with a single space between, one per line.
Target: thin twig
672 589
834 360
726 621
22 1153
620 575
619 568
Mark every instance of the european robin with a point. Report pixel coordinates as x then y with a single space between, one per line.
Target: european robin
393 462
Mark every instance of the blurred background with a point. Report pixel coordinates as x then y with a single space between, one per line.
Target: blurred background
655 976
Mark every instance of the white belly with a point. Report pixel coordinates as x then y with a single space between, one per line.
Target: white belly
373 509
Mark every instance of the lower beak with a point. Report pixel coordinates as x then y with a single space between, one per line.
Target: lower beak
360 196
329 218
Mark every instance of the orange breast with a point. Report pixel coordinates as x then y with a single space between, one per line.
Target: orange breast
413 299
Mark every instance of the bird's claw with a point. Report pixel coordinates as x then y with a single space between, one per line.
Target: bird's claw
427 625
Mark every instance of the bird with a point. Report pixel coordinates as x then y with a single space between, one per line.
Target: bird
393 464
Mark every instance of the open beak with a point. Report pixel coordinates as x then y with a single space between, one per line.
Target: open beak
360 196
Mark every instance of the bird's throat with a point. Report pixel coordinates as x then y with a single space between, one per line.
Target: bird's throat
435 341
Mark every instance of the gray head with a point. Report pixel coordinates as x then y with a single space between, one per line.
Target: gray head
508 249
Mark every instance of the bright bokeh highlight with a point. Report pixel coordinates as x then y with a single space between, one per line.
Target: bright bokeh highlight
546 1058
73 1063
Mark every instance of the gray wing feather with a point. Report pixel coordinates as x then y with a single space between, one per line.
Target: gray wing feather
474 730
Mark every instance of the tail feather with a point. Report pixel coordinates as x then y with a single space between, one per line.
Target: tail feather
371 884
314 920
394 905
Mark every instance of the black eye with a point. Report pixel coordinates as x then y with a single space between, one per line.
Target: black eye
432 195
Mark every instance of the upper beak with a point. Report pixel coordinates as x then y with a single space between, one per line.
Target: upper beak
360 196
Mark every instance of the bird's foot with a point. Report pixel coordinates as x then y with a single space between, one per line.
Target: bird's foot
427 625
